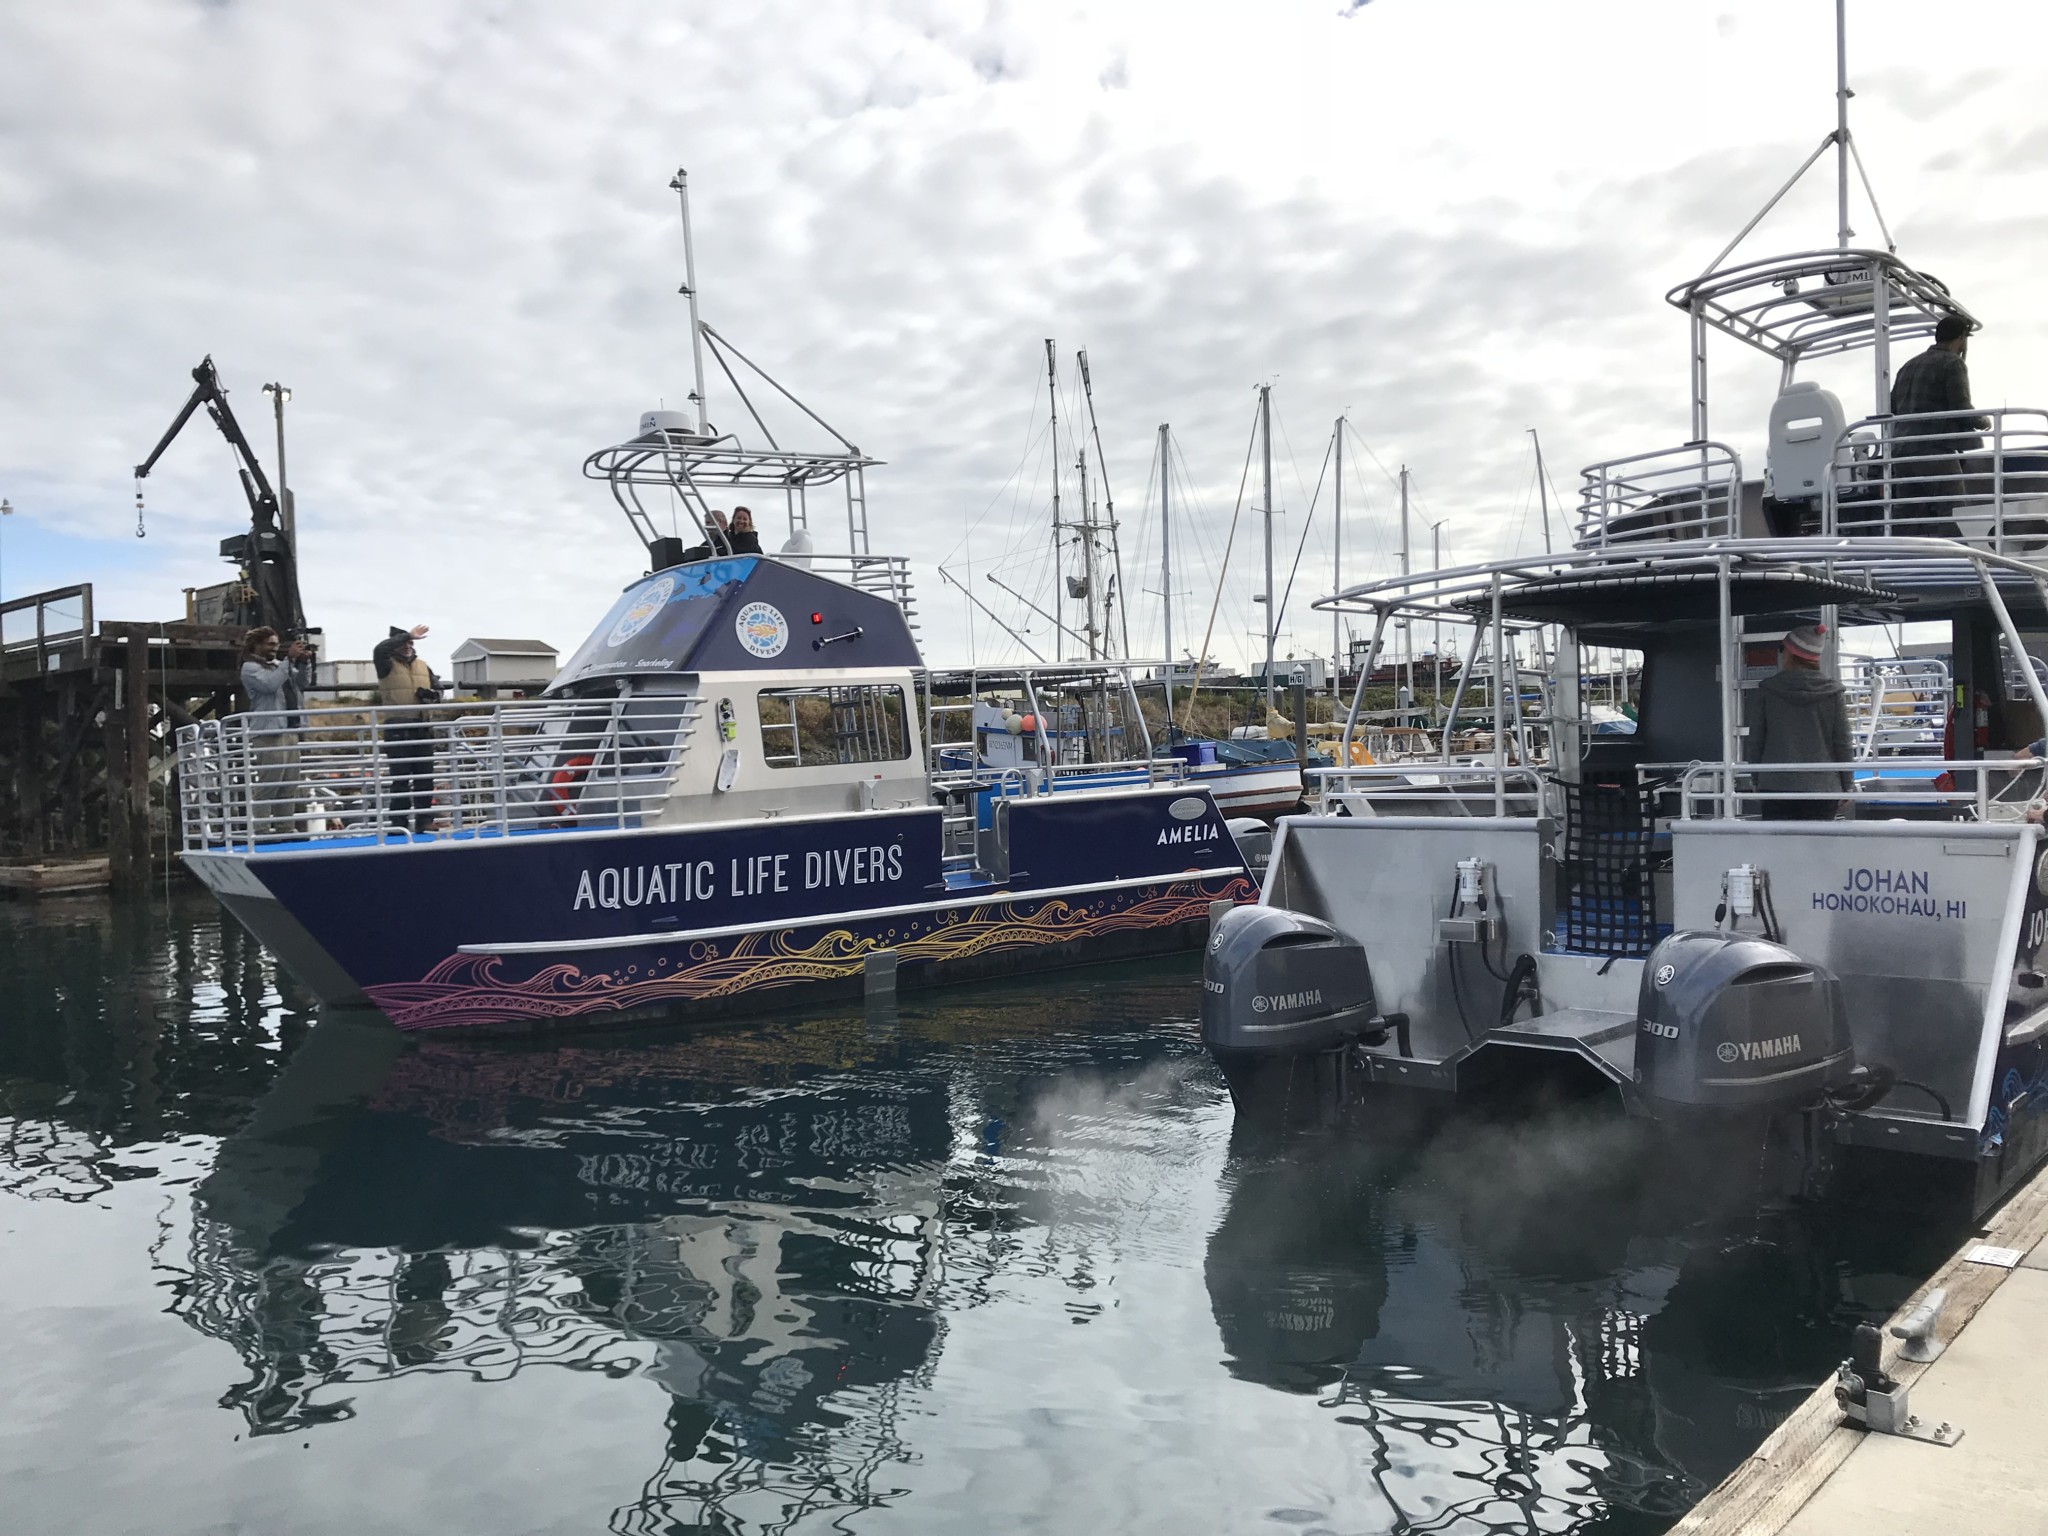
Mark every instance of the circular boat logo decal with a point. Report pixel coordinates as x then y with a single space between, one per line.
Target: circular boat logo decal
1188 808
762 630
1258 1005
1664 974
1726 1050
641 614
2041 874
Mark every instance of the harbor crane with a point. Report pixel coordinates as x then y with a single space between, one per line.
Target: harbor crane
267 553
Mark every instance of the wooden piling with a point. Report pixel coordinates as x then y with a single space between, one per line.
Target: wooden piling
86 706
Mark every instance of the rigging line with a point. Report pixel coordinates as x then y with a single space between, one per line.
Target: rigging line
1555 499
1020 531
1391 478
1306 523
1292 462
740 390
1522 510
1242 480
1010 485
1198 525
1034 429
1864 176
1374 534
1116 555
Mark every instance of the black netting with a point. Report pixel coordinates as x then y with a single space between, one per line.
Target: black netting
1610 899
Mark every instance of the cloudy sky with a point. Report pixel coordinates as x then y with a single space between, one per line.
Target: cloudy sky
445 225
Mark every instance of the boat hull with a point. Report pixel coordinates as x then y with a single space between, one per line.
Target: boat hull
558 930
1263 790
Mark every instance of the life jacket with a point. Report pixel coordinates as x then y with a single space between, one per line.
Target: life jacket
401 685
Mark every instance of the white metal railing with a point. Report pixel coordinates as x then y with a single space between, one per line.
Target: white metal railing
882 575
1727 791
1034 779
1693 492
398 774
1982 478
1898 707
958 790
1476 788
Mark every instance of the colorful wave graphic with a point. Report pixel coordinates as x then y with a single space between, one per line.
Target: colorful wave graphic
487 989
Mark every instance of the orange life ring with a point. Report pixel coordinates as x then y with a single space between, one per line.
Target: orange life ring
560 794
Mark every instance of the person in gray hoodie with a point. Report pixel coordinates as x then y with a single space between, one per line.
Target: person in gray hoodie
273 683
1799 715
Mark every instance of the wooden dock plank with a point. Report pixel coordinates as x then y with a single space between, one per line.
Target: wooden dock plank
52 878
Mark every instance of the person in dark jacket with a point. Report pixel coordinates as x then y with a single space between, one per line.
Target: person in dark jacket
1934 387
717 541
740 536
1799 715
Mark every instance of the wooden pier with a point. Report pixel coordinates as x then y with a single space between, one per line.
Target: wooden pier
1817 1476
89 712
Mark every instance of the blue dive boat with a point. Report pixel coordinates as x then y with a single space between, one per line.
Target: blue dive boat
744 785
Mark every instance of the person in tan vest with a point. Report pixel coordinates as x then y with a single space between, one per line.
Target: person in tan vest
404 684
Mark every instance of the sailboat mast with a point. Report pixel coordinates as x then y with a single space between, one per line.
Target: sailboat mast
1166 568
1266 441
1542 489
1337 568
681 187
1052 388
1116 553
1407 634
1090 594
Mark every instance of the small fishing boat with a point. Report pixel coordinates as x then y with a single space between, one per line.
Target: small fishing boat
739 790
1648 918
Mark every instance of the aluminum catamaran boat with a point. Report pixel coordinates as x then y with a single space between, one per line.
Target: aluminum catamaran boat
1648 917
739 789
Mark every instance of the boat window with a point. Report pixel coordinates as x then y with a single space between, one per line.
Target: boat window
1610 689
820 727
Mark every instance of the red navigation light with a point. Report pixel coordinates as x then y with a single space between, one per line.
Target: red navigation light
817 618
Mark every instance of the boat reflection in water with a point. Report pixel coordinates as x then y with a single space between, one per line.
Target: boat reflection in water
839 1263
756 1234
1551 1347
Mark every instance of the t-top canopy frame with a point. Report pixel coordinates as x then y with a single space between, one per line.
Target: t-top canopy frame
1813 304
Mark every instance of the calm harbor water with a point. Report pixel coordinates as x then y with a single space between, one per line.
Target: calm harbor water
991 1260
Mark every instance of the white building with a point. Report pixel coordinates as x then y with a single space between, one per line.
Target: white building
503 663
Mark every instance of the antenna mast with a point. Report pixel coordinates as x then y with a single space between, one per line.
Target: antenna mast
681 187
1842 94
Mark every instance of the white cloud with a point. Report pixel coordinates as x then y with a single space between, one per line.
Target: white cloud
445 226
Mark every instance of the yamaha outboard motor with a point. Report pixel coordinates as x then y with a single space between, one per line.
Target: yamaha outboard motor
1733 1022
1734 1033
1282 995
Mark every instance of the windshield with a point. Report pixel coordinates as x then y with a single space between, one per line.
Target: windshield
655 623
